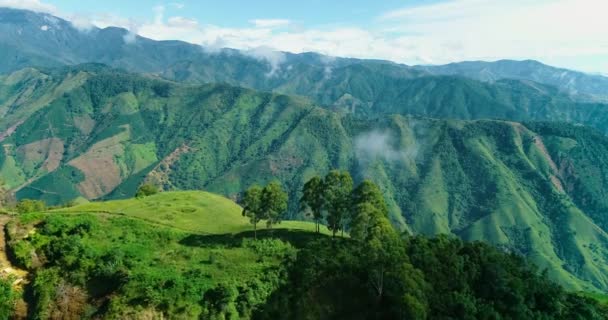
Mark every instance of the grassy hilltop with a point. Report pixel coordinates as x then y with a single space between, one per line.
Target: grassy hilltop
164 250
191 211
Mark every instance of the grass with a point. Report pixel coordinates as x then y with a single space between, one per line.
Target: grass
193 211
163 251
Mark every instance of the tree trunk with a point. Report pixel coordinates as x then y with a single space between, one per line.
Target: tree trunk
255 231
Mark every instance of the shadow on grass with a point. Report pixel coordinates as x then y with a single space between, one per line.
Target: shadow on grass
297 238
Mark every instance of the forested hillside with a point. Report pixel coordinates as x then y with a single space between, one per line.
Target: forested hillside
98 133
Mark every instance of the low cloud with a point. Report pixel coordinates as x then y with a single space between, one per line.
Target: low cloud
131 36
328 67
380 145
266 54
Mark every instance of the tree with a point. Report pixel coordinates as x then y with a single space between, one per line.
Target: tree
370 225
145 190
28 205
369 192
337 187
252 206
274 203
313 200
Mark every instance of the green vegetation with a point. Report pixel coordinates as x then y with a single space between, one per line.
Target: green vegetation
533 188
146 190
28 205
8 297
441 278
108 265
143 267
191 211
268 203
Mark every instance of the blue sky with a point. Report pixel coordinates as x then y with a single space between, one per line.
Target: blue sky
566 33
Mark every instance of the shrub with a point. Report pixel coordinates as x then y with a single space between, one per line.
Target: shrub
28 205
146 190
7 298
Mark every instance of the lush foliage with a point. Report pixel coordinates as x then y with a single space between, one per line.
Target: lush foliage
268 203
8 297
119 266
146 190
29 205
527 187
441 278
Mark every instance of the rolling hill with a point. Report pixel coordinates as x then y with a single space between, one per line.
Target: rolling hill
192 211
142 257
535 188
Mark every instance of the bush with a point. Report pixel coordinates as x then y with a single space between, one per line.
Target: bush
7 298
146 190
28 205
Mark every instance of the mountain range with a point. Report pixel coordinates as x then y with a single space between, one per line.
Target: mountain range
510 152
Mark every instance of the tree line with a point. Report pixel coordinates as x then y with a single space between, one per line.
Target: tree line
332 200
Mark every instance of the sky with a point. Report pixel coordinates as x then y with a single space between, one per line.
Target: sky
565 33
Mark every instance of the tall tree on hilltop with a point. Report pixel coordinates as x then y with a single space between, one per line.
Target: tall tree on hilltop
252 206
337 187
313 200
273 203
370 225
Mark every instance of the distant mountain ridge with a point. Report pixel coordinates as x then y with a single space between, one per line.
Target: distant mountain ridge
584 85
37 39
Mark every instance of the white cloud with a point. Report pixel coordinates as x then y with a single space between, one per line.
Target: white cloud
131 36
493 29
270 23
177 5
34 5
181 22
570 33
274 58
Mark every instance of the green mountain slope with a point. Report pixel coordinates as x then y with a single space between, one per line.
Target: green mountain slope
512 90
534 188
583 85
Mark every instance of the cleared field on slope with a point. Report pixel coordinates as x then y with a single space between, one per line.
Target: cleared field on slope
195 211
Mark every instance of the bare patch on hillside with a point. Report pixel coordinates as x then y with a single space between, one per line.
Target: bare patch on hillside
9 131
540 146
538 142
47 152
84 123
159 176
102 173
